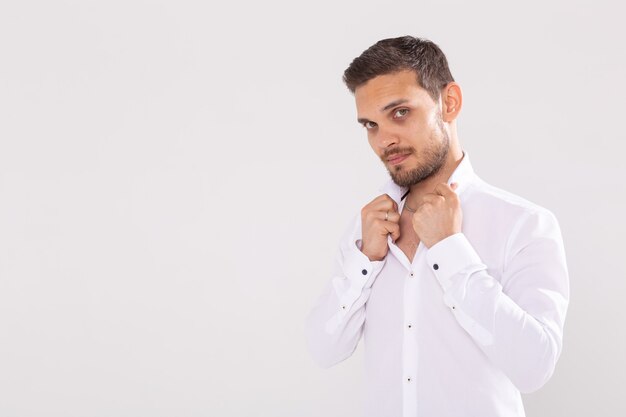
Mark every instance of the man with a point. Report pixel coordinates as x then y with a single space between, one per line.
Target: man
459 289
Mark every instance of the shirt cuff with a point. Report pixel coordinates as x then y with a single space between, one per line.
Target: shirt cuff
358 268
450 256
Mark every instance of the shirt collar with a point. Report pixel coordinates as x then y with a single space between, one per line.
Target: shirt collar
463 174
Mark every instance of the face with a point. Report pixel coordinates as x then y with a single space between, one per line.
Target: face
402 119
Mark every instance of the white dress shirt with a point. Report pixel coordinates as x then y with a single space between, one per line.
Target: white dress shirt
466 327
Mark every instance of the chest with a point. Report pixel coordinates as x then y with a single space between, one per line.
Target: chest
408 240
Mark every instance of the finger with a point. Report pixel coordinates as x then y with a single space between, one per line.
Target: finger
384 202
392 216
433 198
394 229
444 189
380 204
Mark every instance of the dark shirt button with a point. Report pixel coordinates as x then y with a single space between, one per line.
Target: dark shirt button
436 267
364 272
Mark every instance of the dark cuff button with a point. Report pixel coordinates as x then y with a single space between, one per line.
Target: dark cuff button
436 267
364 272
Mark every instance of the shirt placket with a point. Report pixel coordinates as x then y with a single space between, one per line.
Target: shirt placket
410 348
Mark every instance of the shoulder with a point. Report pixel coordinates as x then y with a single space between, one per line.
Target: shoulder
527 221
495 200
514 219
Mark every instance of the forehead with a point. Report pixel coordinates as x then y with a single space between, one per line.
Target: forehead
383 89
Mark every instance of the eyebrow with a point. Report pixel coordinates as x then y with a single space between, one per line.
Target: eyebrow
387 107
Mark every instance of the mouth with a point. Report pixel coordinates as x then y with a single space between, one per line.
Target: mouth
396 159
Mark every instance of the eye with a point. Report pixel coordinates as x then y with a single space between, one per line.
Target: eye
369 125
401 112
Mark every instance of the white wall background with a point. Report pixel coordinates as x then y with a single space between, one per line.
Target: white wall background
175 176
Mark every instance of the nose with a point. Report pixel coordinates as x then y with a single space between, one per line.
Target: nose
385 138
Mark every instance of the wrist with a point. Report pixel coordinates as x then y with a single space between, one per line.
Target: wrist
373 258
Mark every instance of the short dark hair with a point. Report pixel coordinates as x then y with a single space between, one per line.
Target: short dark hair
404 53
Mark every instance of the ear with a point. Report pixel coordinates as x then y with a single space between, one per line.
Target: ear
452 101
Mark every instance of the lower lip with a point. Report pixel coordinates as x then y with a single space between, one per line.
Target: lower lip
398 160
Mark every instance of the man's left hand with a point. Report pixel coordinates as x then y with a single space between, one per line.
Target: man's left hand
439 215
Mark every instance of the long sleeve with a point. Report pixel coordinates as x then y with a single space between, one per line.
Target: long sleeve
516 321
334 325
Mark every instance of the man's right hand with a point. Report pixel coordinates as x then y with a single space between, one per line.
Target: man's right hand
375 228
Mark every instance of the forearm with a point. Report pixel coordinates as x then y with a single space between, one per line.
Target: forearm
334 325
333 333
517 320
524 347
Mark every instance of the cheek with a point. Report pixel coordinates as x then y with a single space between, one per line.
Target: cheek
415 129
424 134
